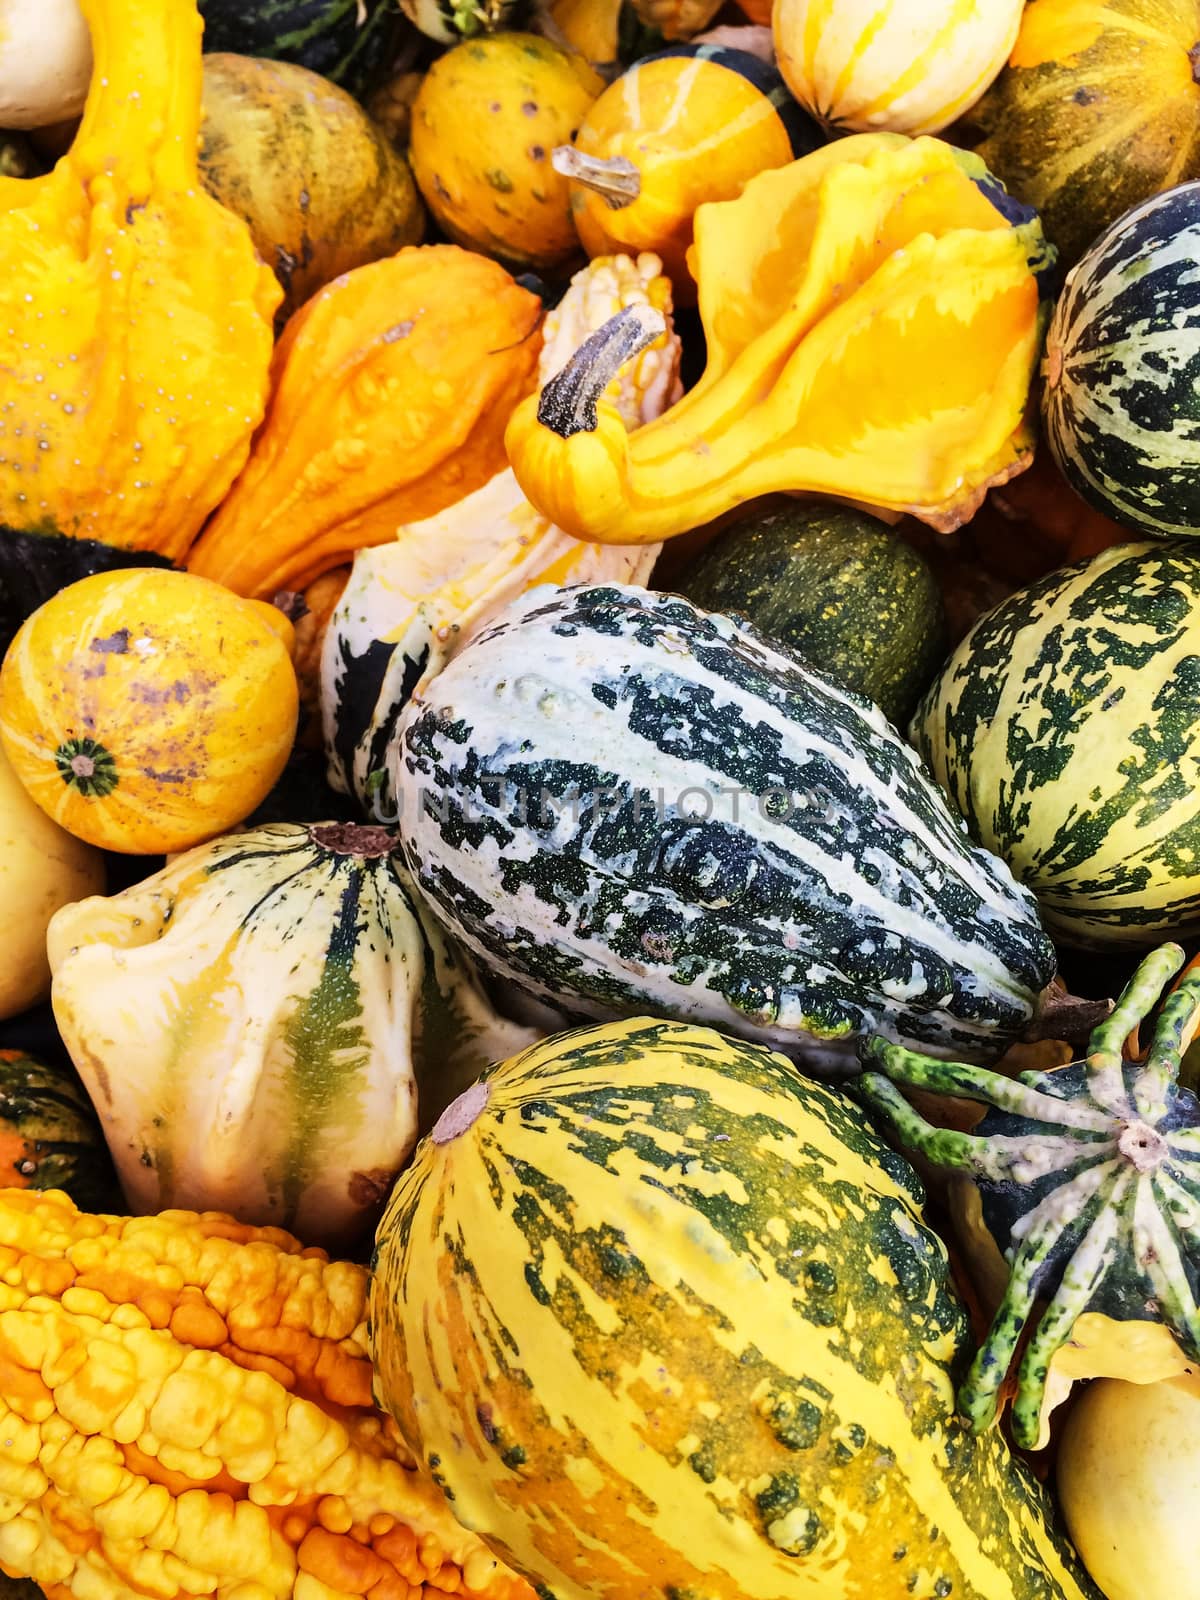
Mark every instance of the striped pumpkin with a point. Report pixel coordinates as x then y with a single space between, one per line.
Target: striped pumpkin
49 1136
262 1025
905 66
1066 730
664 1319
628 805
1121 402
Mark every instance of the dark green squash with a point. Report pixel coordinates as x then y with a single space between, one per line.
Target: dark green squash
346 40
49 1135
837 588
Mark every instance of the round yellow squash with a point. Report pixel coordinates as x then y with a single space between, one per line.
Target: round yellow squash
900 66
484 124
1129 1482
42 869
147 710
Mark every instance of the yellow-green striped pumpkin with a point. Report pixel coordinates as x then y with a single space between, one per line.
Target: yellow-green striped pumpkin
664 1320
1066 730
904 66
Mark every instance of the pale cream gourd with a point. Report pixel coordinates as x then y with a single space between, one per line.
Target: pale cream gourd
42 869
45 62
901 66
265 1025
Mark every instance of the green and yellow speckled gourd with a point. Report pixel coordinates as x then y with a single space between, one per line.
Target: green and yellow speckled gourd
140 315
1063 729
1084 1180
265 1024
664 1319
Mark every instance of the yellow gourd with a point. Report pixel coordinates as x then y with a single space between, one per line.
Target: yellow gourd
146 711
873 317
42 868
484 124
186 1410
135 316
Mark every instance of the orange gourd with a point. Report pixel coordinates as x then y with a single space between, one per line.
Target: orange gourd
391 390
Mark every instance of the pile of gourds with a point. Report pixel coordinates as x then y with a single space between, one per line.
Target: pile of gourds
597 604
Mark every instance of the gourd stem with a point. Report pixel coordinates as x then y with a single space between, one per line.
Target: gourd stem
568 401
1175 1024
353 839
616 180
1194 58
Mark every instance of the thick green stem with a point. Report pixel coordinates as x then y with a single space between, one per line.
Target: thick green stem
1176 1022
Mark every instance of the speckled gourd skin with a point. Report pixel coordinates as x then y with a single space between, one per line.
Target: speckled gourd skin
663 1319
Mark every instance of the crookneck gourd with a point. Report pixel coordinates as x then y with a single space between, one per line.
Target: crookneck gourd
388 404
873 316
627 805
264 1025
413 602
665 1319
138 315
1085 1183
186 1409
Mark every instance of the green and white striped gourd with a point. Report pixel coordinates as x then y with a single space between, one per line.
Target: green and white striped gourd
664 1319
1087 1180
264 1025
628 805
1121 400
1066 730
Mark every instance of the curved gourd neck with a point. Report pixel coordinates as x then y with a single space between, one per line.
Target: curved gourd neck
141 122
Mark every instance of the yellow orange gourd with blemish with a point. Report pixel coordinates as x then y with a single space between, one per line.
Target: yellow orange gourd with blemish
484 124
135 316
147 710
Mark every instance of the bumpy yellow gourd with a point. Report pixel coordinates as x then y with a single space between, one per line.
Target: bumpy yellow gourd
135 316
185 1406
873 317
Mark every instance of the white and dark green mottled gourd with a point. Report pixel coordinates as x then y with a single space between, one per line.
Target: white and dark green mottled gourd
626 804
265 1026
665 1320
1089 1177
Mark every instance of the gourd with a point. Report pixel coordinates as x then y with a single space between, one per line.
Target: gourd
351 42
411 604
319 186
484 123
145 711
41 868
49 1136
626 805
1097 110
679 128
189 1402
1127 1473
909 66
838 589
1062 729
357 439
901 258
1119 402
45 62
138 371
263 1025
1083 1190
693 1336
448 21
